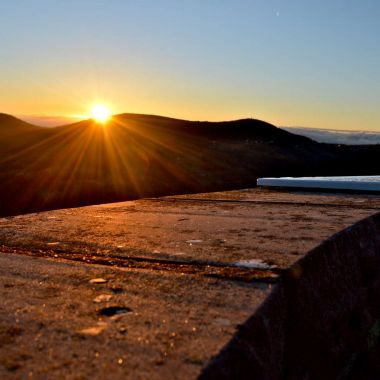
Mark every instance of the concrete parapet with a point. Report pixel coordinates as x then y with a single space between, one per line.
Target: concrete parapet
321 321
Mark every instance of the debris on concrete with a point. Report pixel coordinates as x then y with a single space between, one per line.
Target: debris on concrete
103 298
254 263
98 281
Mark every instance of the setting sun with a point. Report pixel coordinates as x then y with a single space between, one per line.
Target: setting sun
100 113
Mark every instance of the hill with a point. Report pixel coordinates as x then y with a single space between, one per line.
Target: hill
136 156
16 134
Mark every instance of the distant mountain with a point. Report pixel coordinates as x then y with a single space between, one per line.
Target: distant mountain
16 134
145 155
10 123
49 121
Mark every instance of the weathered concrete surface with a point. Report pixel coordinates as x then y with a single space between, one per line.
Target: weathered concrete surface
322 320
224 227
51 327
170 261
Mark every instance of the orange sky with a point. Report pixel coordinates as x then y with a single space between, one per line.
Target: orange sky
291 64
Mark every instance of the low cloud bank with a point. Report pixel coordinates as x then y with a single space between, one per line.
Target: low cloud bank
337 137
49 121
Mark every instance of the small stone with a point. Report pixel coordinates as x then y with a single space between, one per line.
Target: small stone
98 281
95 330
103 298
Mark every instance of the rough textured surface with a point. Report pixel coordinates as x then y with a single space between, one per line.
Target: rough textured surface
55 324
166 294
322 320
277 227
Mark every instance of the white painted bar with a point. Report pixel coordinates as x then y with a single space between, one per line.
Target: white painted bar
364 183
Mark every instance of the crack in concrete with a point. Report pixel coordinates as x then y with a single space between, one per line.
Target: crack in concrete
225 271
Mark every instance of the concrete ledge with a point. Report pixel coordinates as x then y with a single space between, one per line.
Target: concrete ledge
322 320
353 183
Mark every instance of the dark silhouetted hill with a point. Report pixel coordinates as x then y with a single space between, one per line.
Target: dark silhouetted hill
144 155
16 134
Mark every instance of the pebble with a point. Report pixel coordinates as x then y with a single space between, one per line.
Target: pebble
94 330
103 298
98 281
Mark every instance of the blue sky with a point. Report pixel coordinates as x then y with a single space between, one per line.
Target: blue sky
305 63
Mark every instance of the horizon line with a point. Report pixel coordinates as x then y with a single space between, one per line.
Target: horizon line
56 118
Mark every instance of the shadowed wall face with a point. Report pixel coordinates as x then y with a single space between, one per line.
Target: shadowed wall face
322 320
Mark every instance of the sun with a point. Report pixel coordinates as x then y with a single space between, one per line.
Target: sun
100 113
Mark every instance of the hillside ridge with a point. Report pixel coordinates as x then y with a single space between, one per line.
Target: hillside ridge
136 156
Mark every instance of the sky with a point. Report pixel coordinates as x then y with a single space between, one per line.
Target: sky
300 63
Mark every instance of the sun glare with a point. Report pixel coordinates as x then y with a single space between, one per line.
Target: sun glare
100 113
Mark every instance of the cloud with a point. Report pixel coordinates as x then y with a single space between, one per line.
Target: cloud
49 121
337 137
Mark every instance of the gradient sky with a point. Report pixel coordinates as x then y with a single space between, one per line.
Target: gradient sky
290 62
